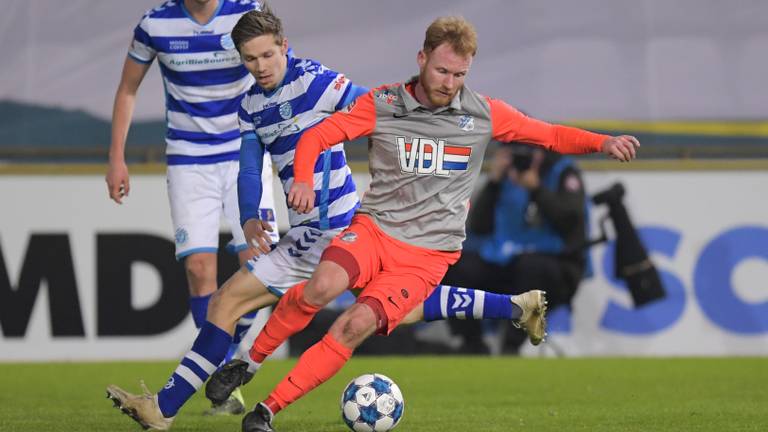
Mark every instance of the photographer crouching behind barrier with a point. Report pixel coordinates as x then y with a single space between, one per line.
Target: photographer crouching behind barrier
527 229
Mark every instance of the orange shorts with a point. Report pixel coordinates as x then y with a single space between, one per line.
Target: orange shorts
394 277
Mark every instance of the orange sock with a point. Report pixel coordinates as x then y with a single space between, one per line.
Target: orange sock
291 315
316 366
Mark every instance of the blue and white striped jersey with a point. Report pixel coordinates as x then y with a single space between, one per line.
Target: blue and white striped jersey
276 119
203 76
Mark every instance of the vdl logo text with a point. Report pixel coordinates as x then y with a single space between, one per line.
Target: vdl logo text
429 156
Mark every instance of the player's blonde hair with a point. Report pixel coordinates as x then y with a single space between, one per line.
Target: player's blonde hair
257 23
456 31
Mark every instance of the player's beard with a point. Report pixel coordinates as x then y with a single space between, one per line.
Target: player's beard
437 95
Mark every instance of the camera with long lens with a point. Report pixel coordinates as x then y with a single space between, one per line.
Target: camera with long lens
632 263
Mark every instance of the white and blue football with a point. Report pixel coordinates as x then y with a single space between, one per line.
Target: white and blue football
372 403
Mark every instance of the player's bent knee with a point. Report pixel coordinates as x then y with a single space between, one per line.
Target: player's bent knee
322 288
379 313
223 307
200 268
241 294
216 305
354 325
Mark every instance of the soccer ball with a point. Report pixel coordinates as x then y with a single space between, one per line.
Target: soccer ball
372 403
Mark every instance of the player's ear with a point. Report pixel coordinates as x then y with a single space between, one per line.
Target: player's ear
284 46
421 59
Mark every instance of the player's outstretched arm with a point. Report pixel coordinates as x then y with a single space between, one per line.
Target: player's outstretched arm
509 124
622 148
118 184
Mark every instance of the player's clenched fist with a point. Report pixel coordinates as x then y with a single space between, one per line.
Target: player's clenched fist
622 148
118 183
301 197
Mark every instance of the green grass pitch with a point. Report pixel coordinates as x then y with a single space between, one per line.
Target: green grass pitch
441 394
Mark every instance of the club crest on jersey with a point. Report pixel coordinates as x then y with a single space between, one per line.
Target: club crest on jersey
349 237
431 156
181 236
226 42
466 123
286 111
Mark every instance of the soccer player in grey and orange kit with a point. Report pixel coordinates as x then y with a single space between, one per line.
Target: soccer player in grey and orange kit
427 140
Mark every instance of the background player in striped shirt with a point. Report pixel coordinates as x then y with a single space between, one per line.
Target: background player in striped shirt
427 138
290 96
205 82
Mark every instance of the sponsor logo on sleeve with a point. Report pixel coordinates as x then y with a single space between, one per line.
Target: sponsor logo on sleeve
339 83
386 97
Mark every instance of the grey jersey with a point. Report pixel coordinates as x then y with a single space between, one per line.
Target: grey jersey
424 165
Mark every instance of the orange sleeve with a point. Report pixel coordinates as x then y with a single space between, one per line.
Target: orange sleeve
355 120
509 124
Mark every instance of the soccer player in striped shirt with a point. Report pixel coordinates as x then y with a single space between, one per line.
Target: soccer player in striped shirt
204 81
427 138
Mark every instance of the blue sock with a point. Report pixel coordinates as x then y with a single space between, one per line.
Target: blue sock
230 354
201 361
243 325
240 330
199 308
467 303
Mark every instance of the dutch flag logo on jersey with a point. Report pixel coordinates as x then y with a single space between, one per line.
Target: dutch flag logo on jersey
430 156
